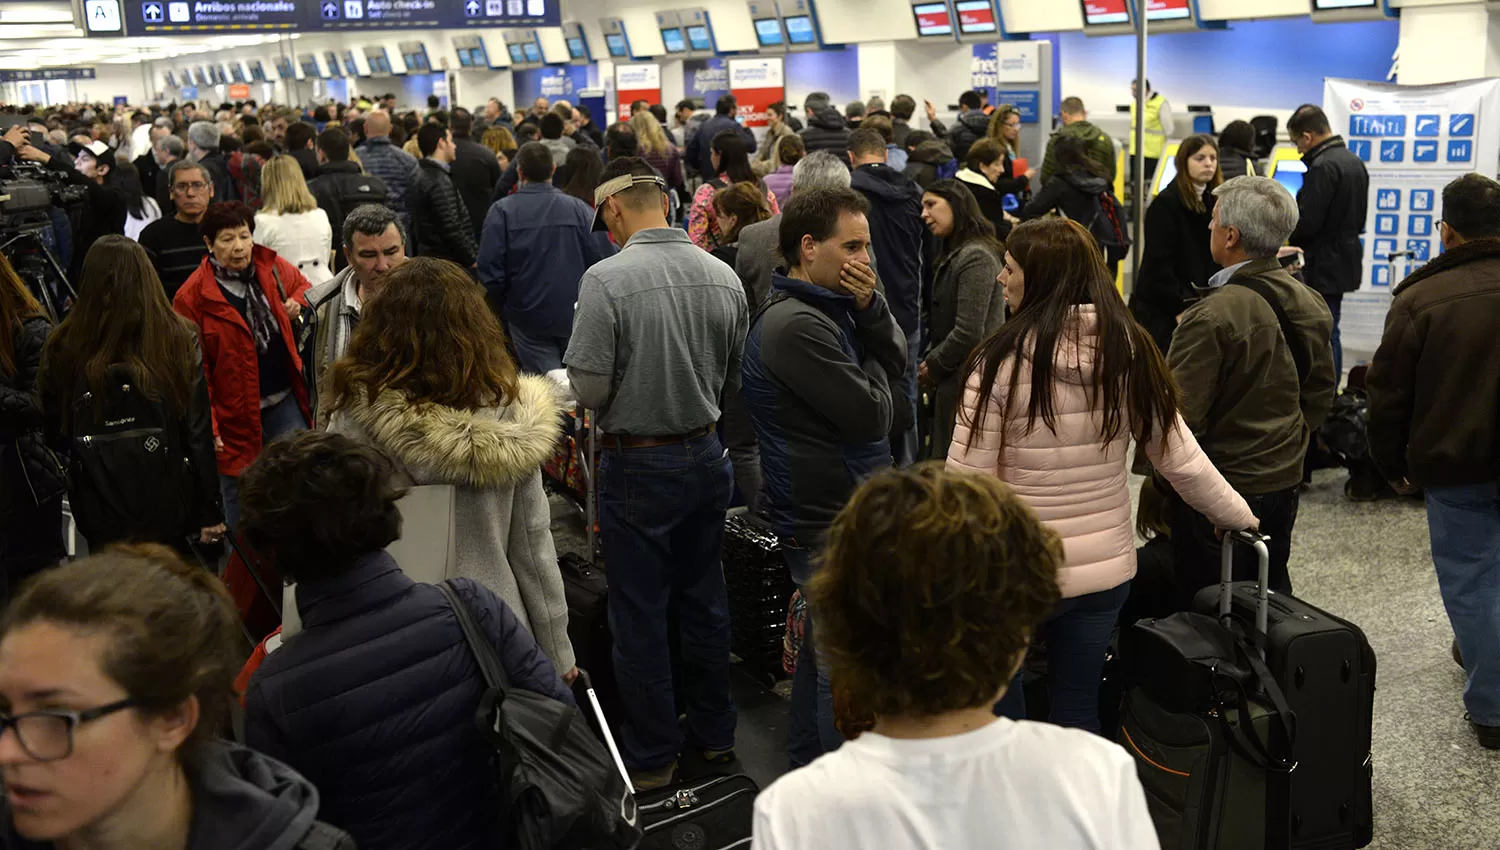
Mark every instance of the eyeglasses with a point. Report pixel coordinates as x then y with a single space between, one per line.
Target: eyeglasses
48 735
189 188
1013 125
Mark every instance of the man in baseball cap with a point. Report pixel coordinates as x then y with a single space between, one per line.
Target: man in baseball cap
657 340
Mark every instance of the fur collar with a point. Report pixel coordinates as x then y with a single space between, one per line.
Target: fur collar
473 448
1469 252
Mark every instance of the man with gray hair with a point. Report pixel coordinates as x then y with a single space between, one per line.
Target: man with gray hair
374 243
1254 359
152 163
203 148
759 254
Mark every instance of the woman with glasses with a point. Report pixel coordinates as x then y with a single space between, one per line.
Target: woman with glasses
172 242
1005 128
244 299
116 677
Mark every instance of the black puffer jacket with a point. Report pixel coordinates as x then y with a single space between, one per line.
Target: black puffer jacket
970 128
826 131
1333 201
440 223
39 476
1176 265
340 187
1074 192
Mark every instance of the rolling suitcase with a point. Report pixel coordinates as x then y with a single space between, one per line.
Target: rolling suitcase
713 813
1326 669
1208 727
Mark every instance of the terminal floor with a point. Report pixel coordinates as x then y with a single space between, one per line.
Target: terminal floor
1435 788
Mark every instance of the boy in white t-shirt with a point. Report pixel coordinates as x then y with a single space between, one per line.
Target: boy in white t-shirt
931 586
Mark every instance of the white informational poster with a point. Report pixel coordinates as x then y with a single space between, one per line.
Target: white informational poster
1414 140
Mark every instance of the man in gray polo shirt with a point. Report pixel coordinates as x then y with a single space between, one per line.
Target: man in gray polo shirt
657 337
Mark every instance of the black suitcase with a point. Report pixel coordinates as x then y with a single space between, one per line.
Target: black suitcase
1209 729
760 587
1326 669
714 813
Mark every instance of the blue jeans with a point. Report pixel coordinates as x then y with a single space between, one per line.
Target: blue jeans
281 418
1336 306
1464 523
661 516
810 730
1077 636
537 355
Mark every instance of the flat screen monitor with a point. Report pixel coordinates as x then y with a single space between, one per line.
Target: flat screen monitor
768 32
380 63
331 59
799 30
531 51
575 48
171 80
284 68
257 71
671 39
1168 10
976 17
1290 174
349 64
310 67
615 43
1328 5
698 38
933 19
1097 12
517 55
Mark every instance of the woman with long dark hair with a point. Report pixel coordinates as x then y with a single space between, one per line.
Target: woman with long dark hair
967 305
1052 401
731 159
1178 261
427 379
140 208
31 480
122 342
583 168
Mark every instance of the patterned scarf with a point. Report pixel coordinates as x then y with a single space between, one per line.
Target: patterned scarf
258 314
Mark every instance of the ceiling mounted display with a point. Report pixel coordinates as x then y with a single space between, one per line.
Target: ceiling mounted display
934 20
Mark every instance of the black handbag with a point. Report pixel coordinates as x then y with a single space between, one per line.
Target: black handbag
304 337
559 786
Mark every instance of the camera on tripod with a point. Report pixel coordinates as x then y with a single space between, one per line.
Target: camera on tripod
28 195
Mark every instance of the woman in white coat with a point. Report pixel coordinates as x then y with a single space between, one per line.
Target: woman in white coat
290 222
428 381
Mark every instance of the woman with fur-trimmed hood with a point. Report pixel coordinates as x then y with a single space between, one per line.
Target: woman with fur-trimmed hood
427 380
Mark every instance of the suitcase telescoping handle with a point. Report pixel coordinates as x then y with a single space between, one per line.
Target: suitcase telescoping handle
1256 541
609 739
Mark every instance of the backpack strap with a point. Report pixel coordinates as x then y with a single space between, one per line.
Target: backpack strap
1300 354
325 837
776 298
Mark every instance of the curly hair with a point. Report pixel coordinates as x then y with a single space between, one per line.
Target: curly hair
431 336
929 590
316 502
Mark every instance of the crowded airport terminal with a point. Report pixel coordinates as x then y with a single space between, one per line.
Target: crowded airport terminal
761 425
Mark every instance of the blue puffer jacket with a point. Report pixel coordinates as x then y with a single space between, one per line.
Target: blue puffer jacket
374 702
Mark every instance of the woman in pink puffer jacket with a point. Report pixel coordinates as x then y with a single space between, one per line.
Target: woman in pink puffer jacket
1065 450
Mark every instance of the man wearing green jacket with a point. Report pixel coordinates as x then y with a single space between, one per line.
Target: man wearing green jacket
1075 122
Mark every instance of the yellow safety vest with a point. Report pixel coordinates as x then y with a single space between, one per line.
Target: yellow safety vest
1156 134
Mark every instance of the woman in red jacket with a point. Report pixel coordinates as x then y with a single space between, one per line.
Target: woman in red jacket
244 298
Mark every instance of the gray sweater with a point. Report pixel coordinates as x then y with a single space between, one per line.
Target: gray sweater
493 457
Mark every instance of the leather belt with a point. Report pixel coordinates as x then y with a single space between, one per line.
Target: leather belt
627 441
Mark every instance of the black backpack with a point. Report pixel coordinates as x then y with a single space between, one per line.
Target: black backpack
128 475
1108 227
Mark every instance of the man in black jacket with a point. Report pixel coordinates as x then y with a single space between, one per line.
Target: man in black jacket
146 165
203 148
1332 201
299 145
700 149
972 124
341 186
903 247
475 169
439 222
826 128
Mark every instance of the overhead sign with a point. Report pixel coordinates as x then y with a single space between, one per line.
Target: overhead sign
436 14
161 17
239 91
636 82
169 17
102 17
35 74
